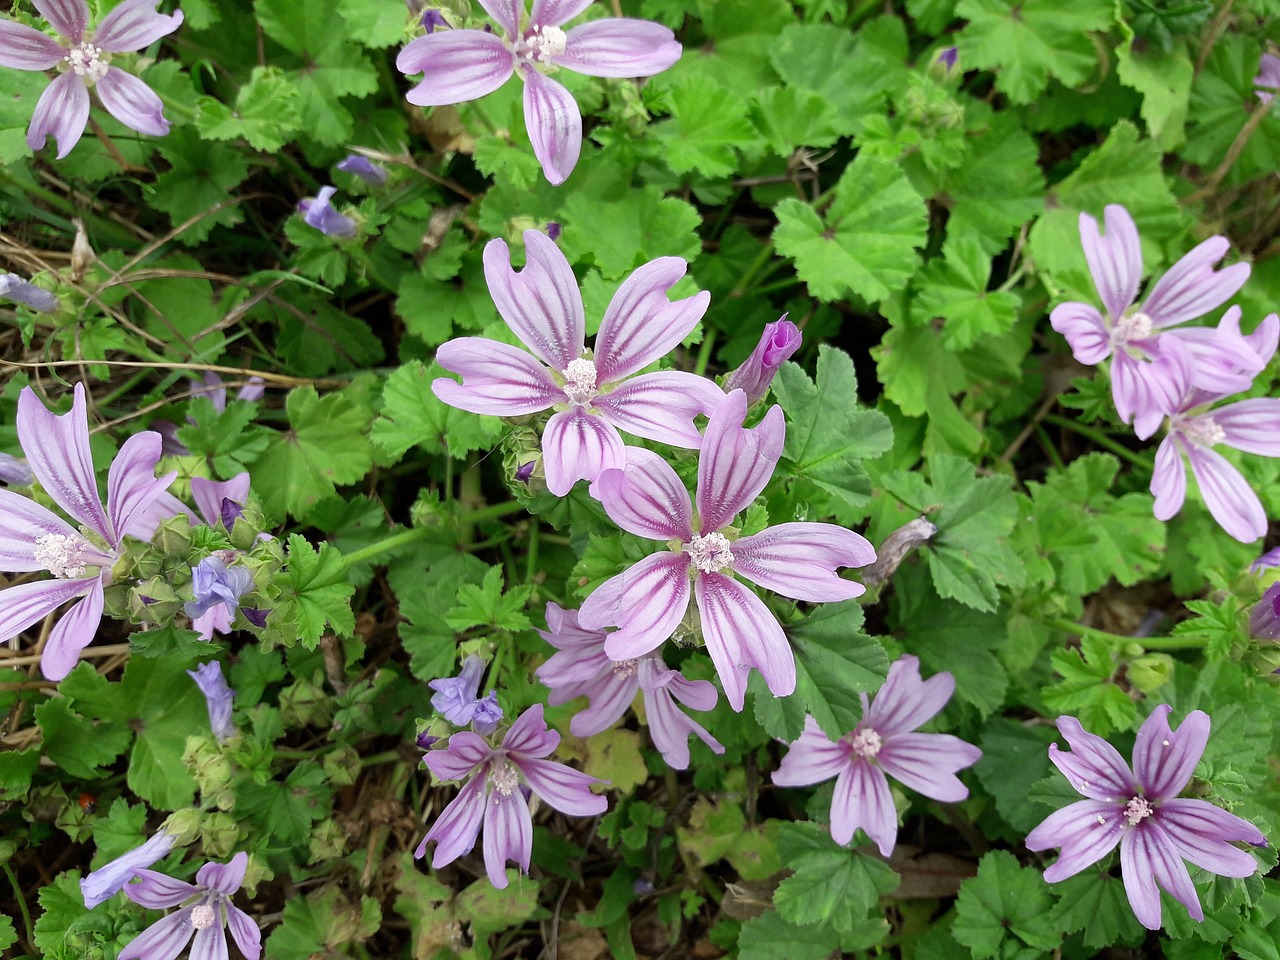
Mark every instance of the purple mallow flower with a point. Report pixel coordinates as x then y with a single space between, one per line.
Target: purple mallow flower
1267 81
84 60
318 212
12 286
948 58
493 796
1264 618
217 588
1269 559
110 878
583 669
33 538
780 340
1139 810
433 20
883 742
220 500
593 393
209 678
212 386
798 560
1131 333
457 700
207 912
461 65
364 168
15 472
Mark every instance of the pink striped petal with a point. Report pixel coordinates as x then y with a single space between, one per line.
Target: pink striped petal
647 601
811 759
529 735
1115 260
61 112
209 494
133 25
225 878
1190 826
609 695
577 445
1149 857
458 65
506 12
862 801
669 726
22 523
57 449
132 484
1086 334
552 13
497 379
1169 479
905 701
244 932
1191 288
1093 767
163 940
26 48
24 604
456 829
1227 494
69 17
562 787
1086 831
646 497
736 462
926 762
662 407
741 633
799 560
1163 760
541 303
696 694
1251 425
133 103
158 891
1183 816
554 123
465 752
210 943
641 324
73 632
619 47
508 836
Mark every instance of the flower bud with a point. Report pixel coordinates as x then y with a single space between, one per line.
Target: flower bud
779 341
1150 672
220 835
1264 619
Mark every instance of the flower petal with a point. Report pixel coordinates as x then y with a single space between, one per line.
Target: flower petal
69 17
641 324
1163 760
497 379
1147 857
110 878
506 12
163 940
1191 288
132 483
580 657
133 103
609 695
57 449
22 523
459 65
669 726
741 633
926 762
646 497
25 603
619 47
1200 832
465 752
456 829
26 48
541 303
799 560
155 890
554 123
1081 324
1227 494
73 632
647 601
209 494
862 800
62 111
1169 479
508 835
905 701
1086 831
811 759
133 25
529 736
564 788
577 445
736 462
225 878
1115 260
210 943
661 406
1251 425
244 932
552 13
1093 767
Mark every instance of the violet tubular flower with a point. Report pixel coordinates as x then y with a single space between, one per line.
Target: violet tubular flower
1264 618
218 696
581 668
206 912
1140 810
318 212
457 699
492 795
110 878
779 341
1267 82
33 538
594 394
364 168
1129 333
217 588
883 744
84 59
461 65
797 560
13 287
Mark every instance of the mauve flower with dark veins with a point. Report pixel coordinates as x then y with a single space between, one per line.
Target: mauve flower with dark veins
84 59
319 213
13 287
1139 809
461 65
110 878
779 341
1267 82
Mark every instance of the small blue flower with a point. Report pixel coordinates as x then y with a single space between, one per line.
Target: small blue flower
457 701
214 583
432 20
209 678
318 212
365 169
14 288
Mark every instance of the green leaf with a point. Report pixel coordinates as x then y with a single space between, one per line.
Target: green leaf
8 935
1026 42
376 25
867 240
490 910
435 570
1014 758
82 746
832 885
787 118
829 434
227 437
316 593
285 811
1096 902
770 937
1088 689
487 605
1164 80
954 290
993 209
1222 100
324 923
166 710
328 446
22 91
266 112
199 184
824 61
119 830
707 130
16 770
1003 902
412 415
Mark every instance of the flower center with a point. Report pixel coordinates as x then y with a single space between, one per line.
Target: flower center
625 668
545 43
61 555
580 380
1138 810
1203 431
503 778
203 916
1131 327
866 743
709 553
88 61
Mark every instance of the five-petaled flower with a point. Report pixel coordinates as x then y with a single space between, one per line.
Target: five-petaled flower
543 306
581 668
84 57
883 742
207 912
494 796
461 65
33 538
798 560
1139 809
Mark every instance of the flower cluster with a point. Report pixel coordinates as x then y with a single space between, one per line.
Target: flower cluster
1164 371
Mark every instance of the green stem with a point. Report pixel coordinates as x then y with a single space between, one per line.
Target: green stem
414 534
704 353
22 903
531 552
1100 438
756 265
1151 643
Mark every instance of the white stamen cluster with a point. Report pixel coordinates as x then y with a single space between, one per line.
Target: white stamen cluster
1203 431
61 555
202 916
88 61
545 43
709 553
1137 810
625 668
579 380
504 779
866 743
1133 326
